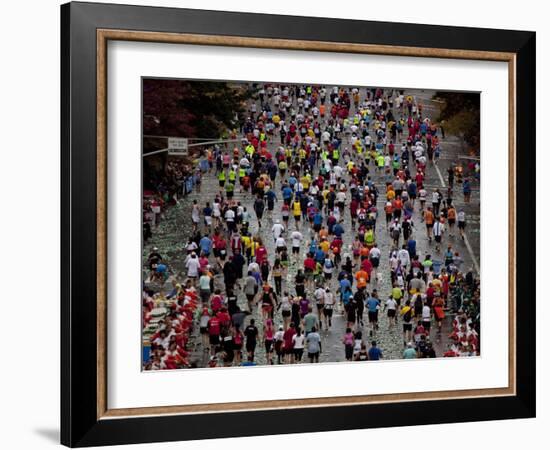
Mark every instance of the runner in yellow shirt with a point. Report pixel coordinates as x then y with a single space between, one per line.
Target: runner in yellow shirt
297 213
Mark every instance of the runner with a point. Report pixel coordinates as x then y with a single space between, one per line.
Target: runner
323 151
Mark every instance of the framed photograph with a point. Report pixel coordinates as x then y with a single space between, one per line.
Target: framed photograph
278 224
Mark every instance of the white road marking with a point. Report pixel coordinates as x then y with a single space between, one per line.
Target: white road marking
468 246
471 252
440 176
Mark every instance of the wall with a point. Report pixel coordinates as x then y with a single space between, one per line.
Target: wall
29 106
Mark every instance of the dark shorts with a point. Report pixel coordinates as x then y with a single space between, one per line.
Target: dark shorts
391 312
327 312
313 355
297 218
268 345
295 250
375 262
285 313
204 330
373 316
452 221
229 355
407 327
437 239
205 295
461 225
214 339
316 228
429 225
427 325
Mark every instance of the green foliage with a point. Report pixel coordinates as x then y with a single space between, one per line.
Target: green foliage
460 115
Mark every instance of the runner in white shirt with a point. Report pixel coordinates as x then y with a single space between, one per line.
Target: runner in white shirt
230 217
374 256
404 257
328 308
297 239
191 247
368 140
193 266
253 267
391 307
438 230
278 338
195 215
298 341
426 317
332 179
422 194
280 244
278 229
341 197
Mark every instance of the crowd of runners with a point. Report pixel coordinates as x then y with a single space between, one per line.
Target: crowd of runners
325 173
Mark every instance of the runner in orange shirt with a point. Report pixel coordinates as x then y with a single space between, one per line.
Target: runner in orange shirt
429 219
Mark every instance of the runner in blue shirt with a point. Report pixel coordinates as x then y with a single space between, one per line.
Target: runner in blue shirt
344 284
373 305
292 180
374 352
338 230
320 256
287 194
206 245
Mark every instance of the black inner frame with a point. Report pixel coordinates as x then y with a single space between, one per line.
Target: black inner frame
79 424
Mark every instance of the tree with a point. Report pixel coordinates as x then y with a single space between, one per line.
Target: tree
181 108
461 115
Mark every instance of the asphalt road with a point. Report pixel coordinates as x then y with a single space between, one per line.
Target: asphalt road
172 233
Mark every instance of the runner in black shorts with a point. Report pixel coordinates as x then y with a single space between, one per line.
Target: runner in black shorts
214 339
373 317
320 312
268 345
313 357
327 312
427 324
